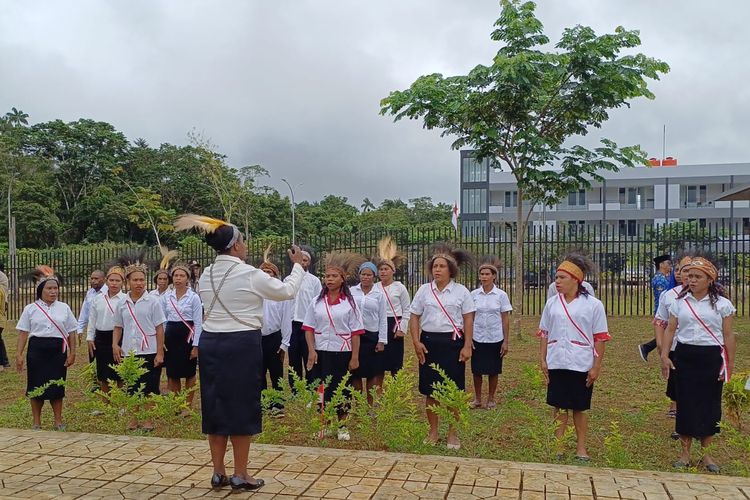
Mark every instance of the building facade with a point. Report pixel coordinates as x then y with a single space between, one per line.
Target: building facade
630 199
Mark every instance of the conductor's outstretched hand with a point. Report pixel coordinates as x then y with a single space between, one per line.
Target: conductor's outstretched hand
295 255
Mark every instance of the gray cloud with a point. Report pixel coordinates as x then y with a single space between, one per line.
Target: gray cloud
295 85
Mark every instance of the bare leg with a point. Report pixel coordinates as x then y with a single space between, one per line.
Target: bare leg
432 419
148 424
241 450
452 436
57 405
477 391
561 416
492 388
705 443
357 383
36 411
373 382
686 442
218 446
189 384
581 421
174 385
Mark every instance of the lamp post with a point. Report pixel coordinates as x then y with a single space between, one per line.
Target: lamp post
291 191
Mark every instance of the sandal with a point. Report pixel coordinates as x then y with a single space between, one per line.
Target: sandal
475 404
583 458
672 413
679 464
491 405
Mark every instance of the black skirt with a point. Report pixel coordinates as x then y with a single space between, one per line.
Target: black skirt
231 366
567 390
104 356
443 351
698 389
393 355
672 382
45 361
149 380
486 359
370 362
334 364
177 356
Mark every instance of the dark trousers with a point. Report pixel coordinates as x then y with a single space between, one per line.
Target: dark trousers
3 352
298 353
272 364
649 346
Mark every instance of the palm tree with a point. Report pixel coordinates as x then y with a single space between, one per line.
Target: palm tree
367 205
16 118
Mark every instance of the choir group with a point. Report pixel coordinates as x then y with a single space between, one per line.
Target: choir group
234 324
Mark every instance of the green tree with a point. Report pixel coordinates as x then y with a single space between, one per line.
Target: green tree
525 109
16 118
367 205
330 216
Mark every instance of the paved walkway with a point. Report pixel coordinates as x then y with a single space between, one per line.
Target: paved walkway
38 464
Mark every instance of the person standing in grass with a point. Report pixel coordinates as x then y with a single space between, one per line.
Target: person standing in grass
661 282
101 325
573 331
397 304
50 327
333 327
97 287
139 329
4 361
183 312
701 320
371 304
309 291
491 327
441 326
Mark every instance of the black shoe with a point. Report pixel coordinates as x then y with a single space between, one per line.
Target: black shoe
675 436
238 483
219 481
643 352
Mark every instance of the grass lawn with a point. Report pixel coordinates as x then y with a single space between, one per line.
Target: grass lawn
628 423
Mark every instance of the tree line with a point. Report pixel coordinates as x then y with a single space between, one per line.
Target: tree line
85 182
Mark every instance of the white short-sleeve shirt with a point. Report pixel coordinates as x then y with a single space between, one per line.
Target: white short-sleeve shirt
34 320
189 306
277 316
552 289
149 314
397 302
373 310
102 314
567 347
333 324
488 327
455 299
666 299
690 330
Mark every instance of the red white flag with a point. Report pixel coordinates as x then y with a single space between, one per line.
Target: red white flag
454 216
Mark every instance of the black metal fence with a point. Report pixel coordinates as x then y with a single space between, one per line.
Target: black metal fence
622 255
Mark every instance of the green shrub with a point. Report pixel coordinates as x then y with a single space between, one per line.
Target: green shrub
736 398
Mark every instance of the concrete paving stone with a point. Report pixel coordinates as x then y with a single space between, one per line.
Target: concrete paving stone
48 465
657 496
582 497
532 495
190 455
102 469
139 451
361 467
556 496
730 492
533 481
423 471
329 486
157 473
10 459
286 482
312 463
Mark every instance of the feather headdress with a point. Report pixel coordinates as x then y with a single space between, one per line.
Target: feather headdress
116 270
167 256
454 255
219 235
388 253
490 262
267 264
132 262
43 273
347 263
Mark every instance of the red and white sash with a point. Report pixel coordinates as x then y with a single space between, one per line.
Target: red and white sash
724 373
588 342
347 338
144 336
64 335
393 309
177 310
456 331
109 305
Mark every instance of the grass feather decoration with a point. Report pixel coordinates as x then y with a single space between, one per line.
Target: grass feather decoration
267 264
346 262
43 273
167 256
448 251
388 253
204 224
491 262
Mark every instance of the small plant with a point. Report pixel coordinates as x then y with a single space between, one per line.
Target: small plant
453 402
736 398
615 453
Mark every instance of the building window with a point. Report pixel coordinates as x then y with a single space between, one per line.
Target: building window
474 171
695 196
576 227
577 198
511 199
474 227
474 201
628 227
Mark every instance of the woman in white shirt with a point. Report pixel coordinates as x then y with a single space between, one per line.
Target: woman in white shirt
183 312
370 301
139 330
101 324
50 327
491 326
701 317
333 327
397 304
230 355
573 330
441 326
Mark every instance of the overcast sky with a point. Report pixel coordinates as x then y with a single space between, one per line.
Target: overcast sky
295 84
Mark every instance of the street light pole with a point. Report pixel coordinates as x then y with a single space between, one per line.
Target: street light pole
291 191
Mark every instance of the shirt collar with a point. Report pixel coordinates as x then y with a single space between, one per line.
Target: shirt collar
447 288
491 292
144 298
338 300
690 294
173 293
228 258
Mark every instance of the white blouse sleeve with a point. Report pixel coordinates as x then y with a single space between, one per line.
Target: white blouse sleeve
197 313
405 300
382 321
91 326
24 322
467 302
354 322
70 324
417 305
726 308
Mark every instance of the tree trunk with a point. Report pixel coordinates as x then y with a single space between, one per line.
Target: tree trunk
518 268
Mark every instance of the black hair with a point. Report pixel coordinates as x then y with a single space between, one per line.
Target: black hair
219 239
715 290
344 290
160 271
585 264
41 284
460 257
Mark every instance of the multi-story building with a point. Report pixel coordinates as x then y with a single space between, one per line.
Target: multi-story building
629 199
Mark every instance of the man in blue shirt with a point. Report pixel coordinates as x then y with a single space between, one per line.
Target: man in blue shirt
659 283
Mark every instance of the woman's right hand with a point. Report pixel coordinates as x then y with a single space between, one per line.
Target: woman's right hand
19 363
312 359
295 255
117 353
92 348
545 370
420 350
666 366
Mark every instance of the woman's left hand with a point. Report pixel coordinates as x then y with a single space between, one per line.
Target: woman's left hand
194 352
465 354
70 359
592 376
379 347
353 364
159 360
504 349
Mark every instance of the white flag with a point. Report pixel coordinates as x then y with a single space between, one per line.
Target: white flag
454 216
